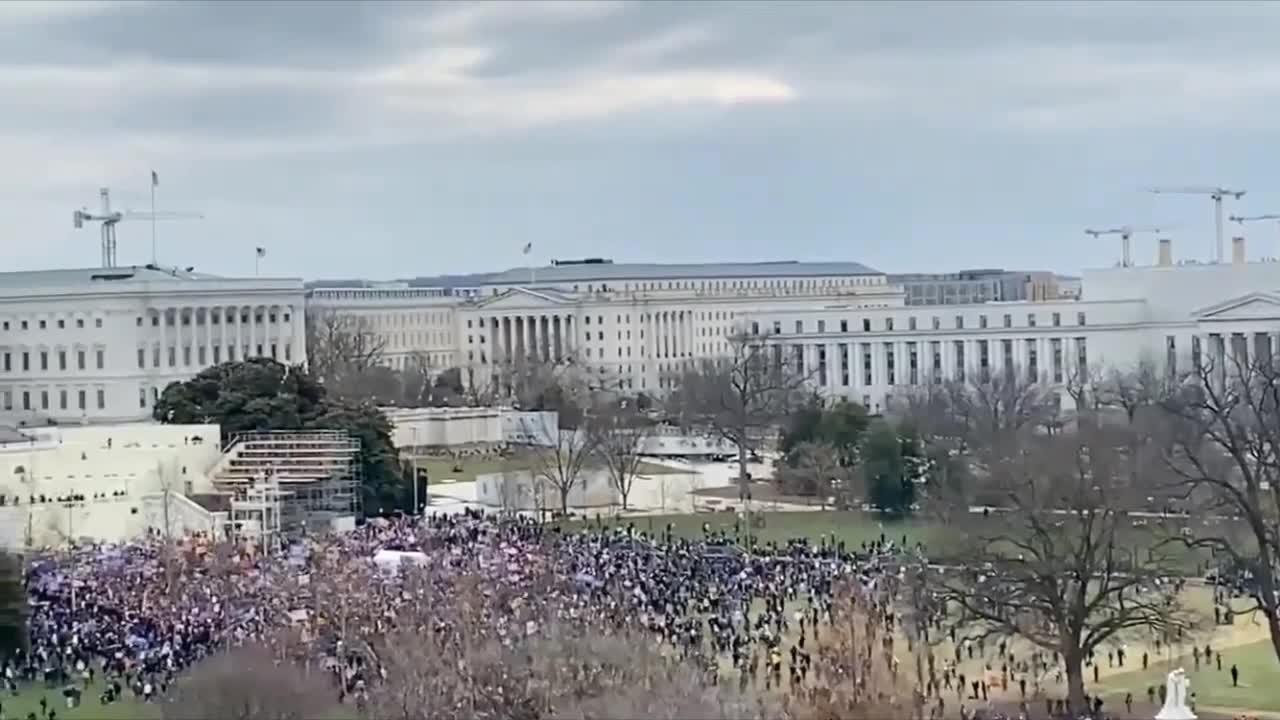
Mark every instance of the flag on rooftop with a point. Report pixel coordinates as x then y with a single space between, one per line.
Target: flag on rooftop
528 247
155 179
262 252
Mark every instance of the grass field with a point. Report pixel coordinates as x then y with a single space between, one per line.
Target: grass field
1259 687
28 701
852 527
443 470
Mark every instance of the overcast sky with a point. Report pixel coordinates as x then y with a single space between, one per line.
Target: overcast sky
387 140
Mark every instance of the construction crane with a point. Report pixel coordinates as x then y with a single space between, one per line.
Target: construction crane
110 218
1217 194
1254 218
1126 233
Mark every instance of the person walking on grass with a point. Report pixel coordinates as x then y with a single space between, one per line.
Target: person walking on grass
1235 675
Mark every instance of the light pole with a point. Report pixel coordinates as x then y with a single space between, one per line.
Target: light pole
414 460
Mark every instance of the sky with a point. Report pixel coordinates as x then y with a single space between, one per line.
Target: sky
386 140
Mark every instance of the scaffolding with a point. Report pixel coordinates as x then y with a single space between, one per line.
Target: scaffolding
284 483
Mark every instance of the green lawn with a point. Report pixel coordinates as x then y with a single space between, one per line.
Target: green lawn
443 469
851 527
1259 679
28 701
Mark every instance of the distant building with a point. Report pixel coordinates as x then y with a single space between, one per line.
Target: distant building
969 287
100 344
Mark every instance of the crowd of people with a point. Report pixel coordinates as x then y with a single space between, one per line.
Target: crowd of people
111 621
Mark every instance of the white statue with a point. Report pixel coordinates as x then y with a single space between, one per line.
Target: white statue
1175 698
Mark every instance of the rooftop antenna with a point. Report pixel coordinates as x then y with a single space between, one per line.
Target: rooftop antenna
1126 233
1216 193
110 218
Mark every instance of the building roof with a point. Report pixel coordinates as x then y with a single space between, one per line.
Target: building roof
588 272
23 279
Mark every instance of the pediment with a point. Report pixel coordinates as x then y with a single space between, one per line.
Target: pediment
1254 306
523 299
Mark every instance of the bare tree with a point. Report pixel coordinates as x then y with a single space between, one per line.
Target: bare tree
743 395
1134 392
816 470
564 441
1225 451
1060 567
620 433
341 347
561 465
1086 386
249 683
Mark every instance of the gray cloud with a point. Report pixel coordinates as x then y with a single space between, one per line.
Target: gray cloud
633 121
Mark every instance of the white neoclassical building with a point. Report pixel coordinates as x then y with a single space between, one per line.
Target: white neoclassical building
853 328
99 345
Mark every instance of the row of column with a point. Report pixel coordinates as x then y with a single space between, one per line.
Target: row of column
889 362
1235 350
542 338
241 327
671 334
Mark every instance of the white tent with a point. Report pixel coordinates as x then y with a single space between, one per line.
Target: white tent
391 560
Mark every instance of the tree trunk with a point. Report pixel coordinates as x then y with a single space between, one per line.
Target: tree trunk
743 486
622 495
564 501
1075 682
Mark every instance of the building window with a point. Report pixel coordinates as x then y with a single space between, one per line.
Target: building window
201 354
1008 320
1057 359
937 323
799 326
1080 318
43 325
81 397
959 322
62 399
173 356
8 362
102 399
888 324
155 356
62 359
982 322
142 358
866 324
217 354
142 397
911 323
1057 319
44 399
1031 319
186 355
844 328
79 359
97 322
26 400
26 362
44 359
101 358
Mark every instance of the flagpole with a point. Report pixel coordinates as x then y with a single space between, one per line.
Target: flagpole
257 260
153 217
